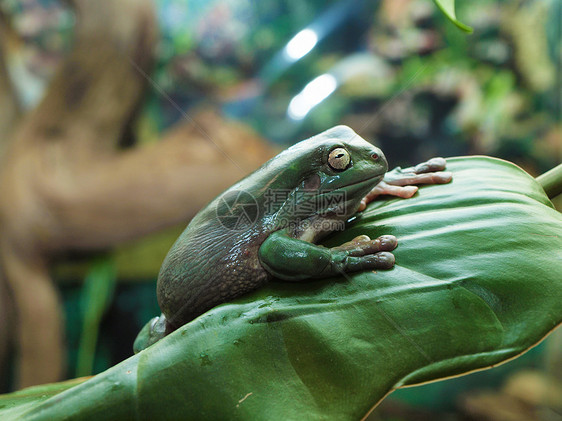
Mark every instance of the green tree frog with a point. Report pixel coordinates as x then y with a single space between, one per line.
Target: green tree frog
266 226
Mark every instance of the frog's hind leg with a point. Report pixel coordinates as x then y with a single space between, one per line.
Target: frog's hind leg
152 332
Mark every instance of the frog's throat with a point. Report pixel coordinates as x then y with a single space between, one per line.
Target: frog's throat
371 179
364 180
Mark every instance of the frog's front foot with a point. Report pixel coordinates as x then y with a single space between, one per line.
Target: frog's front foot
291 259
364 253
403 182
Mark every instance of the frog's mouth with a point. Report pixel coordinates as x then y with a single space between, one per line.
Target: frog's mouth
356 185
364 180
345 199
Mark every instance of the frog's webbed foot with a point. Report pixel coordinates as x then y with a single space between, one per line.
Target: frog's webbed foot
364 253
403 182
151 333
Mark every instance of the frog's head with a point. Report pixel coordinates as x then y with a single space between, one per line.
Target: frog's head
328 174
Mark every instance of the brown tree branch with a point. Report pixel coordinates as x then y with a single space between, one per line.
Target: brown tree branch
9 115
65 185
39 331
81 118
97 90
148 188
9 105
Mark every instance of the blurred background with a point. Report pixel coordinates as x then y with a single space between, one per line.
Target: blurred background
396 71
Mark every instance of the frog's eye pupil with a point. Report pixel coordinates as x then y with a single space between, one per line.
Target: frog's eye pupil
375 156
339 159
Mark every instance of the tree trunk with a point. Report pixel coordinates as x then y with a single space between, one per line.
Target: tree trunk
9 106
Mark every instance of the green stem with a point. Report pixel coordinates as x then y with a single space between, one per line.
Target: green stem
551 181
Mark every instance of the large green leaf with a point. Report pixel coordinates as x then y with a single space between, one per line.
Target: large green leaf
477 281
448 8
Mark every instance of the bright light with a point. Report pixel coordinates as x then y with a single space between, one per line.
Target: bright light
301 44
313 94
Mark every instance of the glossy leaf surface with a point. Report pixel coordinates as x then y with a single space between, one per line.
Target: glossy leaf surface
477 281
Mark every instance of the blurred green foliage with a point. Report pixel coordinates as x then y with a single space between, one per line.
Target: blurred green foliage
423 87
407 77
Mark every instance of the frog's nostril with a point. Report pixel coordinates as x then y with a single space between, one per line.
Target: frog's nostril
375 156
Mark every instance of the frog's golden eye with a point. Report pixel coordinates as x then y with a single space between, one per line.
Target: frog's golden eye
339 159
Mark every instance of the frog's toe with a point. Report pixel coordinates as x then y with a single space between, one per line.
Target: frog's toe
354 244
387 242
429 172
434 164
442 177
380 260
151 333
363 245
383 243
409 180
360 239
